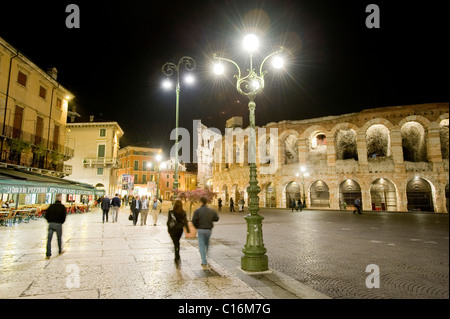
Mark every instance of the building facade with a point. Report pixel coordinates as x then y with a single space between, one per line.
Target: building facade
33 115
186 180
96 157
393 158
141 164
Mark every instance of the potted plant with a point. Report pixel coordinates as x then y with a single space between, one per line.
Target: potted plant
56 158
39 151
17 146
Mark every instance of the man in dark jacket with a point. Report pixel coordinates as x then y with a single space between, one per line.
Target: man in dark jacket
203 220
115 204
106 204
136 206
56 216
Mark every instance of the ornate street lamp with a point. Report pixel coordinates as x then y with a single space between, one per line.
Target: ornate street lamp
168 69
250 85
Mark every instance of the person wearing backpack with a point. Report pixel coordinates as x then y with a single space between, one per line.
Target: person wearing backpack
176 221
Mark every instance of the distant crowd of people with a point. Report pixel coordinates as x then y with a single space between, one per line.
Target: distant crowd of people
203 220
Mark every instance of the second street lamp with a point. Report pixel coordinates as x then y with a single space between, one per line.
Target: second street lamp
255 258
168 69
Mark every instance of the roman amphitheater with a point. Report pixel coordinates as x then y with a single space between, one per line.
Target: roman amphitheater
393 158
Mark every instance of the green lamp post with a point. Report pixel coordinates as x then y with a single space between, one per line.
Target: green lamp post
168 69
250 85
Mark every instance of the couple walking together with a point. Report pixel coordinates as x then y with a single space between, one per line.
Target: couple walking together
203 220
142 206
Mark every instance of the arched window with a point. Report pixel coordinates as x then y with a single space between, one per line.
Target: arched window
413 142
320 194
383 195
292 192
225 194
271 195
345 143
378 141
418 193
349 190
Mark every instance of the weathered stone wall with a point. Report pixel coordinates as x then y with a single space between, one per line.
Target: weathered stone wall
385 149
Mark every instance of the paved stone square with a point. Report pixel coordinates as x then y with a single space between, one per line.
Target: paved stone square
330 250
119 260
312 255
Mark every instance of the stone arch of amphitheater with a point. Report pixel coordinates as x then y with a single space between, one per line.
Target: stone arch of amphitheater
393 158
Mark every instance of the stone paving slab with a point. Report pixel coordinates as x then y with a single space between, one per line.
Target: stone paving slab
119 260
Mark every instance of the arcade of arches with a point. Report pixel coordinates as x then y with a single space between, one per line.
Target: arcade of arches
392 158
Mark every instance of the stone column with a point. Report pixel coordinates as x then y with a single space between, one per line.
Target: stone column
397 150
440 200
361 147
302 151
365 197
334 196
331 155
402 199
434 143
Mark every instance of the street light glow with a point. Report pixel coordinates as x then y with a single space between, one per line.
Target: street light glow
255 84
278 62
251 42
167 84
218 68
158 157
189 79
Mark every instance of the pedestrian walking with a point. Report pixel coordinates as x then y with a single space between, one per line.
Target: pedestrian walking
115 204
203 220
156 208
299 205
241 204
219 201
144 210
232 205
176 220
135 208
357 205
293 204
106 204
56 216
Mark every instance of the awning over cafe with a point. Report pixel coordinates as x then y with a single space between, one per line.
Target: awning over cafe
14 181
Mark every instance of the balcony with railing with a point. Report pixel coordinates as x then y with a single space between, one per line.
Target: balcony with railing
31 139
101 161
24 149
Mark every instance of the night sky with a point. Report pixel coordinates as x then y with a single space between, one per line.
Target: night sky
336 64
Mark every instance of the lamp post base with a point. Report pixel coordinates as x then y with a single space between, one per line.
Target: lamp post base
255 264
254 259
